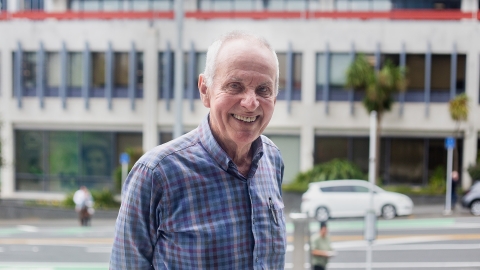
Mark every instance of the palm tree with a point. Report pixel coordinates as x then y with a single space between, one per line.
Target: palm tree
379 87
458 108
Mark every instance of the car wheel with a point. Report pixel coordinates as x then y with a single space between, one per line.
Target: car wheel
322 214
475 208
388 211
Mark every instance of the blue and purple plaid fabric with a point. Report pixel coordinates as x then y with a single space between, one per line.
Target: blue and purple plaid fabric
185 206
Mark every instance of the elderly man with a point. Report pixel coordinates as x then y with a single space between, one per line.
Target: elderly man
211 199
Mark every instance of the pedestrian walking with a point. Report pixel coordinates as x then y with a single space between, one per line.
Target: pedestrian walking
83 205
321 249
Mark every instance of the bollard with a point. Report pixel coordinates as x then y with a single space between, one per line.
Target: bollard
301 232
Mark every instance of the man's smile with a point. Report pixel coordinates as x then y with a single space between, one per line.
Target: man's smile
245 118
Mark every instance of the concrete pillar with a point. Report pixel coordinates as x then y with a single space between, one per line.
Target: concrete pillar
150 91
7 177
471 128
307 132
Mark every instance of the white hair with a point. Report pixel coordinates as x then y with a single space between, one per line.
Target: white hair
212 53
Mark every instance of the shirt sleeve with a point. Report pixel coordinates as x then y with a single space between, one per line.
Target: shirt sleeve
137 221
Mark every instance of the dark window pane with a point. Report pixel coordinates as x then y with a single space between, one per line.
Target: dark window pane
96 154
29 73
360 153
360 189
406 161
139 71
121 70
165 137
440 80
327 148
63 153
162 65
28 152
98 70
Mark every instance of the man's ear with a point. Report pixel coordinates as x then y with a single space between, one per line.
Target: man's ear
204 92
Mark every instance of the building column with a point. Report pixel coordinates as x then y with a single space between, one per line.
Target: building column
150 91
307 147
7 176
471 130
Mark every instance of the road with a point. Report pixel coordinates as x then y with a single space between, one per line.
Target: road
429 242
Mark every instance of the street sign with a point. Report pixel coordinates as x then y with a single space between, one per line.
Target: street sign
124 158
449 142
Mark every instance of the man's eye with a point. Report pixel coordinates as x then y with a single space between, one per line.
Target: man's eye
235 85
263 91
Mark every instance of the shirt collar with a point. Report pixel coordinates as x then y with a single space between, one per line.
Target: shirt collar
217 153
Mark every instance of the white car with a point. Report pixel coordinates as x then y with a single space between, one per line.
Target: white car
351 198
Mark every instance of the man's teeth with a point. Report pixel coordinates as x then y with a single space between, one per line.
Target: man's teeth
244 118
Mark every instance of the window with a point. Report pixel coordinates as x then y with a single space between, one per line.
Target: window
75 74
120 74
61 161
200 59
296 70
337 68
139 75
406 161
118 5
33 4
53 74
3 5
426 4
361 189
166 64
363 5
28 73
338 189
329 148
98 74
416 78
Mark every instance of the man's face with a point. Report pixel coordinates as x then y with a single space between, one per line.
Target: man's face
242 96
323 231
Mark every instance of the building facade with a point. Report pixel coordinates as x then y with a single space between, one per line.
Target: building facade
83 80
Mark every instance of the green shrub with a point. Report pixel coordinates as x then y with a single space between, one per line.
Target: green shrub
474 171
332 170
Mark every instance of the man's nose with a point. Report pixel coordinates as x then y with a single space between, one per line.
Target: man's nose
249 100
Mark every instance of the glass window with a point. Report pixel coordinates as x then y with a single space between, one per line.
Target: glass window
98 70
3 5
297 76
53 73
126 141
33 4
426 4
440 72
361 189
29 165
328 148
75 74
29 73
416 72
320 77
338 189
406 161
95 154
200 59
461 70
339 63
360 153
139 72
121 70
166 137
162 65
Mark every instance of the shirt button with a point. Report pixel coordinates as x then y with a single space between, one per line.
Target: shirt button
253 220
256 260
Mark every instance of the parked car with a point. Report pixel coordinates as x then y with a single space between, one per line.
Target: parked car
351 198
471 199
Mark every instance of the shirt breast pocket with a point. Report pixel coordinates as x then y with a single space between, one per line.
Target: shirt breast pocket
278 227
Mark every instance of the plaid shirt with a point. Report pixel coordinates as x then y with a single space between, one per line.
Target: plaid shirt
186 206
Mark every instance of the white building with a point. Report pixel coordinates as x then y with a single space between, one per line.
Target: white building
83 80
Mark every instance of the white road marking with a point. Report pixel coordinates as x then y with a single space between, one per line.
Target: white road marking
422 247
403 240
98 249
27 228
415 265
